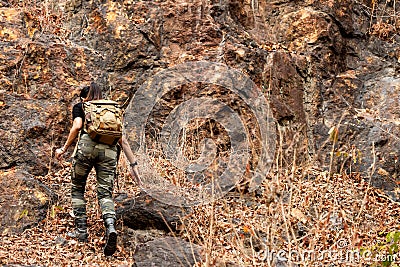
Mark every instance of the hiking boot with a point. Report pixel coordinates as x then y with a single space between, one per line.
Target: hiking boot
111 235
80 232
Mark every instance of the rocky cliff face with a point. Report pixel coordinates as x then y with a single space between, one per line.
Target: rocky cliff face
330 70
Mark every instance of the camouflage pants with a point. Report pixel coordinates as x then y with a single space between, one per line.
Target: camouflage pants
103 158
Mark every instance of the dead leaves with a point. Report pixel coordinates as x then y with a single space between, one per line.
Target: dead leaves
319 214
47 244
297 214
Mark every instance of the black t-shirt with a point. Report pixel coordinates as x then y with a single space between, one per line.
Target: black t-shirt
77 111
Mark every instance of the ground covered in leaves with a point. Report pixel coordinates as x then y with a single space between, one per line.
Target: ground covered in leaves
47 244
308 217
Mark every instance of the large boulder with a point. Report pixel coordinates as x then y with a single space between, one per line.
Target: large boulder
24 201
167 251
27 131
146 212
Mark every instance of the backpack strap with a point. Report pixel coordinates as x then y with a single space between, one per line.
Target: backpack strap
83 129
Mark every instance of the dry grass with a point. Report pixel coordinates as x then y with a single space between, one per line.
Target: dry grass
306 211
307 215
384 18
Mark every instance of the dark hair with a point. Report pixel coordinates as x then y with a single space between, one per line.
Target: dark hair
84 92
92 92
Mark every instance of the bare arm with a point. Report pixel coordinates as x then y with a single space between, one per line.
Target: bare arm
131 159
73 133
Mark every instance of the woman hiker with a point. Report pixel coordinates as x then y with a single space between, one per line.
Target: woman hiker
104 158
